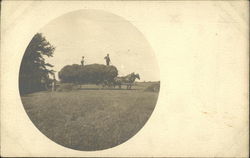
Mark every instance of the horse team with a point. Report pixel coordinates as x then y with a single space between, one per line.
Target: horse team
119 81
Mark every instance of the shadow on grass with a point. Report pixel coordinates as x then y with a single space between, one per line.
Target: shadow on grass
79 89
105 89
34 93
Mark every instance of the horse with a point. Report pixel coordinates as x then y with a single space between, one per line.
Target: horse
128 80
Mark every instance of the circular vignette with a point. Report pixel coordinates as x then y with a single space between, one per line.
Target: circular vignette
80 115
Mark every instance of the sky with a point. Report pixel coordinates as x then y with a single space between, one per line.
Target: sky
93 34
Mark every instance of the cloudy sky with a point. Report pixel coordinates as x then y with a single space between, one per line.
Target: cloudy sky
93 34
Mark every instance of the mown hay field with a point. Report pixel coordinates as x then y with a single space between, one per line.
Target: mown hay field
90 118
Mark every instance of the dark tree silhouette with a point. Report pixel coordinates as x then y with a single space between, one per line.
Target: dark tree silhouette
34 71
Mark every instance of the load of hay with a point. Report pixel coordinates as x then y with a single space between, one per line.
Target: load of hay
88 74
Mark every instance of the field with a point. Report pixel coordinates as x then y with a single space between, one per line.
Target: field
91 118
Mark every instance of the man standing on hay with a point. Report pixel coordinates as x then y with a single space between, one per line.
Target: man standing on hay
107 59
82 62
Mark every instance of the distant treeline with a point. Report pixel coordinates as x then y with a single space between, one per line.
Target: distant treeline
88 74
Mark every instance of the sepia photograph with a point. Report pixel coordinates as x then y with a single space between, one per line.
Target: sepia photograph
125 78
89 80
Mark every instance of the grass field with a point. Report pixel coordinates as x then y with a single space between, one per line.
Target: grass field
89 118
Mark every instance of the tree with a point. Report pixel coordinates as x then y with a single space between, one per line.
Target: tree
34 71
